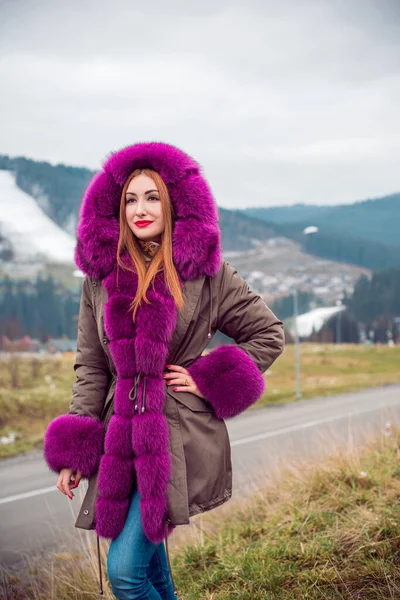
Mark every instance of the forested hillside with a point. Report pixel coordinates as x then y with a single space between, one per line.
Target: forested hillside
373 220
377 296
356 251
238 231
40 309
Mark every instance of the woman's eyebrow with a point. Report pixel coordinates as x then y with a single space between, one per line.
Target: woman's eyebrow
148 192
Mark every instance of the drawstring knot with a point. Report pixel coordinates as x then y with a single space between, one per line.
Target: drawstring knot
101 592
134 393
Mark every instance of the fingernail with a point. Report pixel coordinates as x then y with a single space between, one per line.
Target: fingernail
175 389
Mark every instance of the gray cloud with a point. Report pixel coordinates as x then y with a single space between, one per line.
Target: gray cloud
280 102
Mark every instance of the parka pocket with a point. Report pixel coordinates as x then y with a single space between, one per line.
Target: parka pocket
191 401
207 451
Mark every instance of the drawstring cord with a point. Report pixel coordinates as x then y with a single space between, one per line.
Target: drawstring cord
169 564
135 395
101 593
144 394
210 309
135 391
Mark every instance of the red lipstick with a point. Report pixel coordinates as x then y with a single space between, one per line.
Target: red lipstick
143 223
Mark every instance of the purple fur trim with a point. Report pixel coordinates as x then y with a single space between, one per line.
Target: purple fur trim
153 472
196 243
118 327
74 442
119 436
229 379
137 443
123 406
123 354
150 434
111 516
98 228
116 477
152 513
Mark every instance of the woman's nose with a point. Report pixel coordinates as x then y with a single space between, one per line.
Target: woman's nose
140 208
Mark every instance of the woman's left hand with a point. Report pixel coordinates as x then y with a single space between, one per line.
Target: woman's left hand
177 376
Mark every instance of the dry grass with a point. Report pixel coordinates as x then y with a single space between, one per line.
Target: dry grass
328 369
319 531
72 576
32 392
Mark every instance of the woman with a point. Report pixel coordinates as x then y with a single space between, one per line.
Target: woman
146 422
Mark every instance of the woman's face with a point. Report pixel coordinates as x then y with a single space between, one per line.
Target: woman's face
142 203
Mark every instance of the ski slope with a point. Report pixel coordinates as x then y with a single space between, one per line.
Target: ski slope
33 235
315 319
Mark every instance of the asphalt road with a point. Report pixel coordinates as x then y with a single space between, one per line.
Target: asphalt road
35 518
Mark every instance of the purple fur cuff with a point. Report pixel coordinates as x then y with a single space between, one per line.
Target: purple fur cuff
229 379
74 442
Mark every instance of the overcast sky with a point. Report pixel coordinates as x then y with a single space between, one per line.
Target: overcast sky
280 101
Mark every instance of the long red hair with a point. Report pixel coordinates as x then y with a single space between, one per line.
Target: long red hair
162 261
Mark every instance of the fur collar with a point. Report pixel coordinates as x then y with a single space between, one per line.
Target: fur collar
196 243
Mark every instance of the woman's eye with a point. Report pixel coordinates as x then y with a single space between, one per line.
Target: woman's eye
128 200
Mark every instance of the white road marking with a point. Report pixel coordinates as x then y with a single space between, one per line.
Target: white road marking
307 425
46 490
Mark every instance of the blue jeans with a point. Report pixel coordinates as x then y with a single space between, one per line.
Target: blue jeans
137 568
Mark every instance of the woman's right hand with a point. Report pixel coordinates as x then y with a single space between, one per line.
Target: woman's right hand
68 480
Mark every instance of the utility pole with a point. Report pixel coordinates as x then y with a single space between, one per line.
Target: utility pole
296 343
338 322
307 231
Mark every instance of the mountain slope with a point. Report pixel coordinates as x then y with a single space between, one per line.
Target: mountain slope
373 220
239 232
57 189
30 232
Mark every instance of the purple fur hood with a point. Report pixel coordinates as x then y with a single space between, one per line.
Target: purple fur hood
196 243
